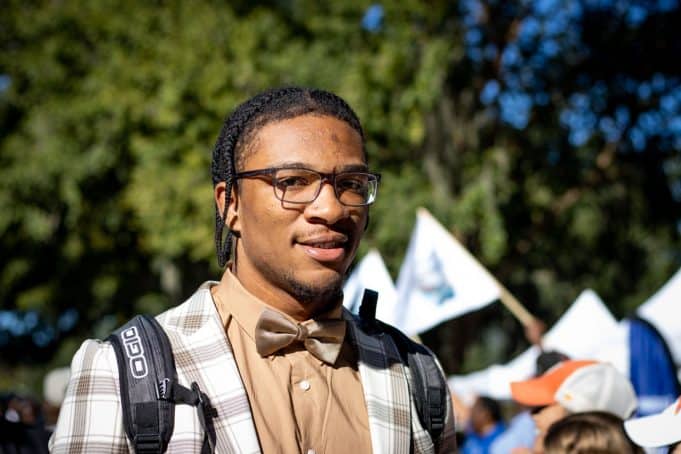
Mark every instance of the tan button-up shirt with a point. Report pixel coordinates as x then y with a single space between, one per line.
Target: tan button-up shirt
299 403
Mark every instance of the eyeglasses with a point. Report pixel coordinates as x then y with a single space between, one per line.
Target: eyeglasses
300 185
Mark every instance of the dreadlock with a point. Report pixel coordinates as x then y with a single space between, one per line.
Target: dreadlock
239 129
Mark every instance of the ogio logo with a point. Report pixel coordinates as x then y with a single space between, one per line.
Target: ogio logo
135 352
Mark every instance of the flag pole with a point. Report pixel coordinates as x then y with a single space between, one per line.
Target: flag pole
513 305
505 296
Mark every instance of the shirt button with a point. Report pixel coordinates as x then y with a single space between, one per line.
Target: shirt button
305 385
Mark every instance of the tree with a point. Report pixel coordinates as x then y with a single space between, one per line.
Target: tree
567 145
109 112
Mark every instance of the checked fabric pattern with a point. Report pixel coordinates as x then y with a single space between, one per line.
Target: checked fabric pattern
91 417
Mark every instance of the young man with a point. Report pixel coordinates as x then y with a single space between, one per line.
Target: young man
292 190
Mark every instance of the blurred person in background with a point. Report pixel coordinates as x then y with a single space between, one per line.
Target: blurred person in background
589 432
520 434
574 386
658 430
485 425
22 430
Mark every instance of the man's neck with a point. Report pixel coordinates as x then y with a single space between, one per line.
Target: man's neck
284 302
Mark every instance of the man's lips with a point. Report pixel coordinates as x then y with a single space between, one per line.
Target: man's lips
325 248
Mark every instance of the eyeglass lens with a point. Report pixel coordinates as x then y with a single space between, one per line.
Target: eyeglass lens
303 186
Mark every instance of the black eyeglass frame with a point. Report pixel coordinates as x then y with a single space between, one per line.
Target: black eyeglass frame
330 177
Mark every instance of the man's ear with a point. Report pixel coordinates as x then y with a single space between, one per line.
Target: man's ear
366 224
220 193
233 219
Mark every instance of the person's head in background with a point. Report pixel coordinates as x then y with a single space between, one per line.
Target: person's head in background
485 415
574 387
547 359
23 409
589 432
661 429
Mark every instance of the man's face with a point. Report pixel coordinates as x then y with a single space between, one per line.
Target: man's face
294 256
543 419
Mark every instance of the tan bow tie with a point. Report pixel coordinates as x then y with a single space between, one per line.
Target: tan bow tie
322 338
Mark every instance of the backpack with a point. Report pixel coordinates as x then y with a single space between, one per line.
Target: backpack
150 390
428 386
149 387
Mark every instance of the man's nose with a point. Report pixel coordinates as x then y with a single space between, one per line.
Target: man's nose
326 206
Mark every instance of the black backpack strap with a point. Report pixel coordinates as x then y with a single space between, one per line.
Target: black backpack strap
146 370
429 389
149 387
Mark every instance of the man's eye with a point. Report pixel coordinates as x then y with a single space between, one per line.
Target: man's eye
292 181
351 184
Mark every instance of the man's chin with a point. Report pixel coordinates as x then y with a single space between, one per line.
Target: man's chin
322 292
323 299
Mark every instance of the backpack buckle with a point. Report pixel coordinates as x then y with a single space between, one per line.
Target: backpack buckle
164 389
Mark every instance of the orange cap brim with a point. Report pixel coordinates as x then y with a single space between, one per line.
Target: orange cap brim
541 391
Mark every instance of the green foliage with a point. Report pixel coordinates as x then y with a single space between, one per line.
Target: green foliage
112 109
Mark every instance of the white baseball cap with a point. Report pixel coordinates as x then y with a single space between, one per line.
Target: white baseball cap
580 386
598 387
660 429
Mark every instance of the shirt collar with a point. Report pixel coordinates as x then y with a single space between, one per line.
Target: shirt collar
234 300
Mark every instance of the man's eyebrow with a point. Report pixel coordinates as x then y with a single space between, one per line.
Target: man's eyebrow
300 165
354 168
291 165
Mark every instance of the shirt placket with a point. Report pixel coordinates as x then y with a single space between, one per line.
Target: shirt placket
308 401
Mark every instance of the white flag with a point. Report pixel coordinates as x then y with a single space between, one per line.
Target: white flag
371 273
439 279
662 310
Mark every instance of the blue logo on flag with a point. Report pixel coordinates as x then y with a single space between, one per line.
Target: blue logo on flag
432 280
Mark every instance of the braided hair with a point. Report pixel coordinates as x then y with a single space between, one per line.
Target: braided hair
240 128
